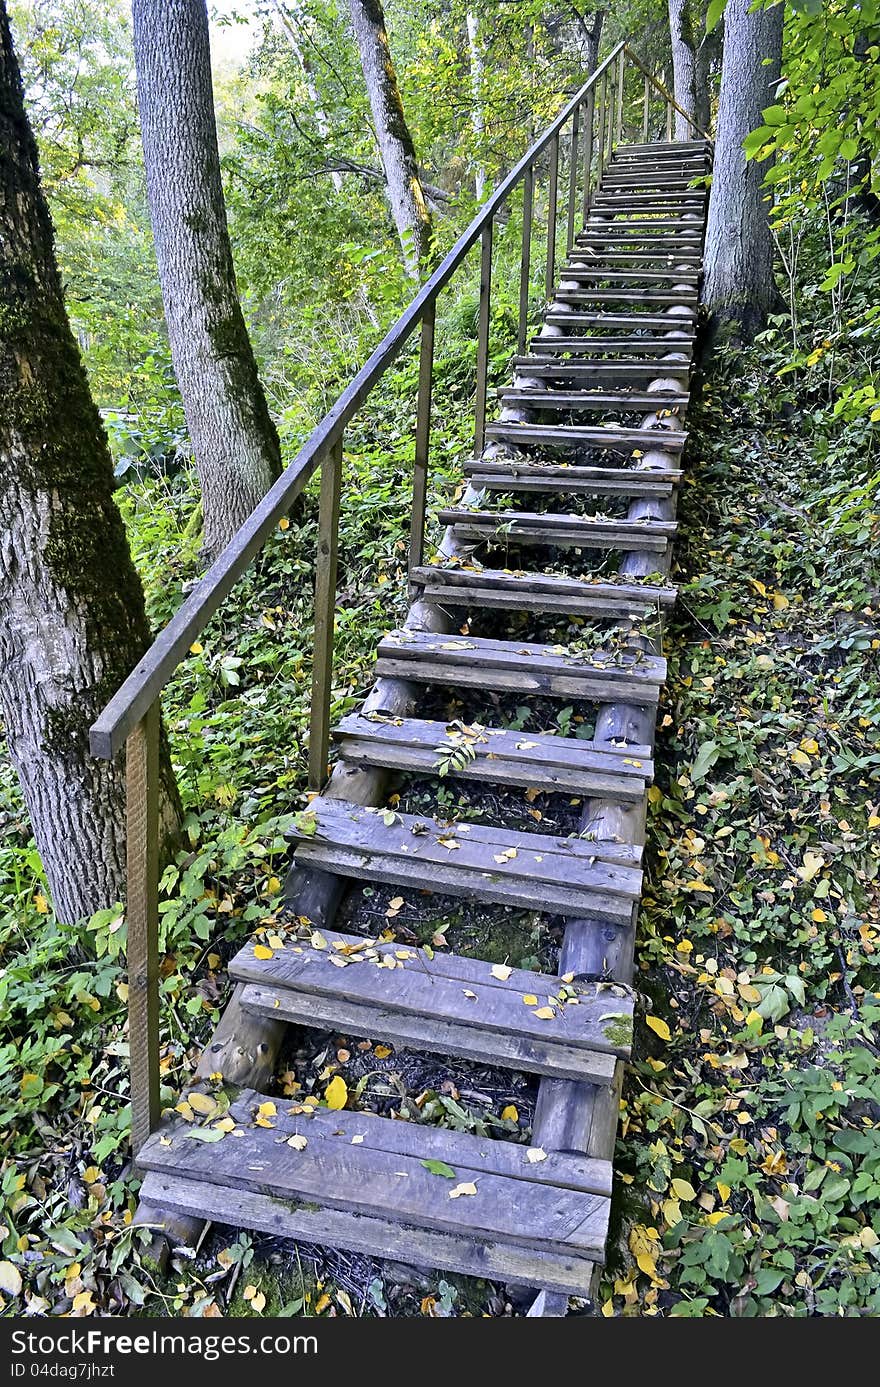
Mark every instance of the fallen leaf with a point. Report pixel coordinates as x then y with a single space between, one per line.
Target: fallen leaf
658 1026
202 1103
510 1113
468 1188
501 971
260 951
439 1168
336 1093
10 1279
535 1154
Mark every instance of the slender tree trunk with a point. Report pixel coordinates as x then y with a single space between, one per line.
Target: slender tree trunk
739 287
323 125
477 122
72 619
234 440
702 80
405 192
683 67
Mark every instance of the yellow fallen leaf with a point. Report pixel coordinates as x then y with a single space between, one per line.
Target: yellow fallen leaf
10 1279
810 745
468 1188
672 1212
780 601
382 1051
800 758
819 916
723 1191
535 1154
658 1026
645 1262
41 905
196 648
321 1303
543 1013
718 1215
336 1093
812 865
202 1103
267 1109
530 999
510 1113
273 886
299 1143
683 1189
260 951
225 1124
501 971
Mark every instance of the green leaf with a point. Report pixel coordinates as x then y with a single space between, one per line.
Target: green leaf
439 1168
205 1134
705 760
714 13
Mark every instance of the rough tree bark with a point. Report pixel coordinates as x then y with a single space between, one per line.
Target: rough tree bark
72 618
739 288
405 192
684 67
234 440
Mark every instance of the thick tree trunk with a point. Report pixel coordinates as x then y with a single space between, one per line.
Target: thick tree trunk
683 67
72 618
405 193
234 440
739 288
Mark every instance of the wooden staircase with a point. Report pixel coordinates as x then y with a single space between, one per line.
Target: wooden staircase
596 409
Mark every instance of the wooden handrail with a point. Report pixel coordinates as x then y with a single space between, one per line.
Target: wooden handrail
146 681
667 95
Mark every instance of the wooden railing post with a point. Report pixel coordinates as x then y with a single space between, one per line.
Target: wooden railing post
600 142
588 151
647 98
620 74
525 265
609 123
668 117
325 607
572 180
550 276
483 338
423 438
142 921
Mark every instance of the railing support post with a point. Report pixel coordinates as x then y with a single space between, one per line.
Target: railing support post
483 338
550 276
588 151
423 438
325 605
620 74
525 265
645 107
142 921
572 180
600 143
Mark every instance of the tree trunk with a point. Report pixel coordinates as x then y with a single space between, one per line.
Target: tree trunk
477 122
72 618
739 288
234 440
683 67
405 193
289 26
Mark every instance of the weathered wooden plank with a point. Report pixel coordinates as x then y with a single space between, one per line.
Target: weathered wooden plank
581 272
416 986
635 297
575 595
625 372
561 1272
539 760
572 531
573 401
616 439
366 1179
468 971
635 672
517 475
547 1059
632 322
680 342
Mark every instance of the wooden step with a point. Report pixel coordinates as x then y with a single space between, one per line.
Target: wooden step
614 346
541 761
475 662
626 372
616 439
474 587
655 236
628 321
594 258
638 298
439 1002
532 871
513 474
666 203
573 401
584 273
564 531
360 1182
